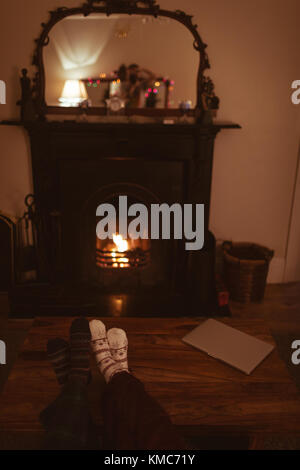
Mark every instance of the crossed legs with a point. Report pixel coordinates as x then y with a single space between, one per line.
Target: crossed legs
132 419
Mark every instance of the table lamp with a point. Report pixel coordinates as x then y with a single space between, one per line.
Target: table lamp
73 94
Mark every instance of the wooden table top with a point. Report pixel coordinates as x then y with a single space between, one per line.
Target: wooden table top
197 391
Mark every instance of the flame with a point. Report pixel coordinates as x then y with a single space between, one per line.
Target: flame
122 246
120 242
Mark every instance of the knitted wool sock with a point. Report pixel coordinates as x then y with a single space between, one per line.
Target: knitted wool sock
79 345
58 351
100 347
118 345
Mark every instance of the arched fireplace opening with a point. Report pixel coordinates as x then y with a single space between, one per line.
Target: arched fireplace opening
122 252
123 264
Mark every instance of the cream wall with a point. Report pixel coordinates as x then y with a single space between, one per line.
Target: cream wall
254 58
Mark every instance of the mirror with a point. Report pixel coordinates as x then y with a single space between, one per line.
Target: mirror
143 61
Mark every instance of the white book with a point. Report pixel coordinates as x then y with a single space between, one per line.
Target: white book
238 349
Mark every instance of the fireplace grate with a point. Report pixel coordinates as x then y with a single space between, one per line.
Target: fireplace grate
134 258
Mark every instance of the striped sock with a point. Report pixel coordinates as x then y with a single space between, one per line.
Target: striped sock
118 345
100 347
58 351
79 345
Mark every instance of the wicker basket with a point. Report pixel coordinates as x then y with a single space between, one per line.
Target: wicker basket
246 267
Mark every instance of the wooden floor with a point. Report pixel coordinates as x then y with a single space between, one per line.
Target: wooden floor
280 308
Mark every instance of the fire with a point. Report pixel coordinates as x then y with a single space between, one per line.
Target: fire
120 242
121 246
121 253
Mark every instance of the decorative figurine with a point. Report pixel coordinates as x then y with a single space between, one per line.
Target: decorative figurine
27 105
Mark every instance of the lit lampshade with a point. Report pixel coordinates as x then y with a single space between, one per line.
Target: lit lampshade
74 93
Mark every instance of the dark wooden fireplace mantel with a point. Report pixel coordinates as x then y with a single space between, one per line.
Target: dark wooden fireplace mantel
54 141
74 162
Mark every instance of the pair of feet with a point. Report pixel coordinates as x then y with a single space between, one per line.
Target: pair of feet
70 360
109 348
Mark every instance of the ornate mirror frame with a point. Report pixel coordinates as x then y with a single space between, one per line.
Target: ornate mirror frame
206 99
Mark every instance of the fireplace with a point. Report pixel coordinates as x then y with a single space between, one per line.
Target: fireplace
76 167
114 142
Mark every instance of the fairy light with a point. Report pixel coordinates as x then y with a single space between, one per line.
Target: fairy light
97 82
